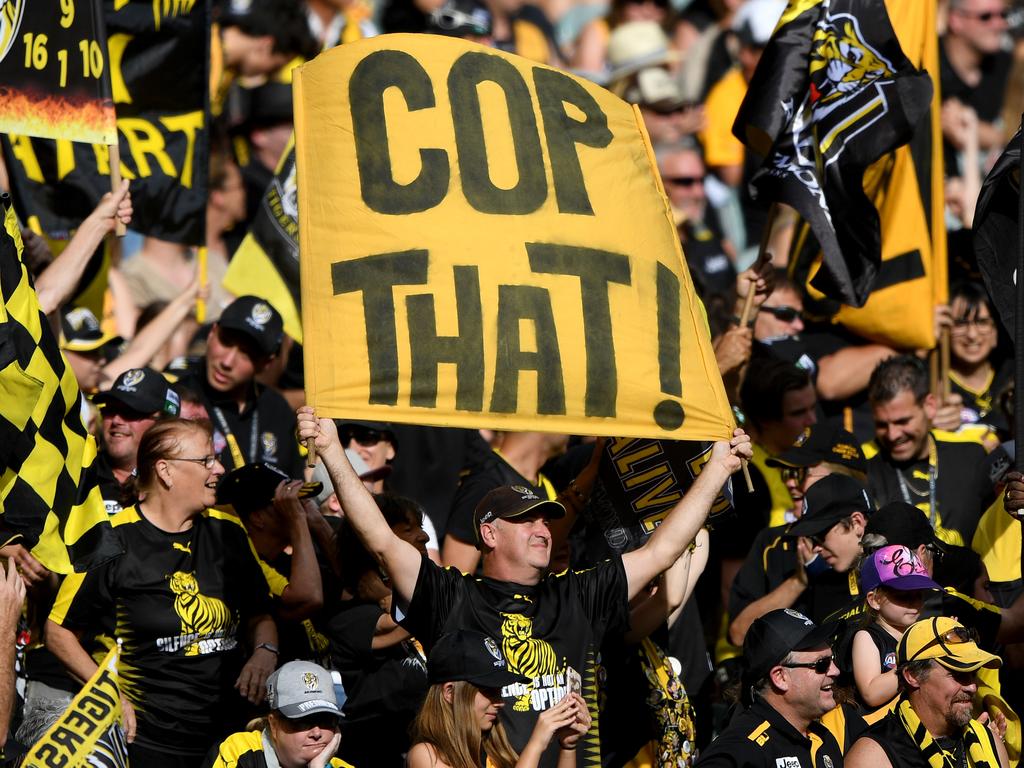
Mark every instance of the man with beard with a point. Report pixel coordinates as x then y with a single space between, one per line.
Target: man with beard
933 724
787 687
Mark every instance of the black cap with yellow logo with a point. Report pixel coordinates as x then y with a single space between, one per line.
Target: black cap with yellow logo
823 442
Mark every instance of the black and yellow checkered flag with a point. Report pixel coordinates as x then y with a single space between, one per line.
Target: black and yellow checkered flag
49 498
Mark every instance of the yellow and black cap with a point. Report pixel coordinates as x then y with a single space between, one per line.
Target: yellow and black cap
946 641
81 331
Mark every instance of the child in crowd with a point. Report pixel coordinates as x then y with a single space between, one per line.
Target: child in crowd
458 726
894 581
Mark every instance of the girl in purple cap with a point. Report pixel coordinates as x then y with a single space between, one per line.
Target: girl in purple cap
894 580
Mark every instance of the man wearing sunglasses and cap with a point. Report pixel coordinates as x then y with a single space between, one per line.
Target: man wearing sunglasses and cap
933 724
787 687
550 626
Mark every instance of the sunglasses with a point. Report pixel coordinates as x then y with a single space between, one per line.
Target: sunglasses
795 474
683 181
364 436
821 666
955 636
783 313
984 16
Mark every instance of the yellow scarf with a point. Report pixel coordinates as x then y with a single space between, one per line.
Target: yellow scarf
977 742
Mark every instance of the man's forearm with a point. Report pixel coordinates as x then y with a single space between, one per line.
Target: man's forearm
783 596
304 595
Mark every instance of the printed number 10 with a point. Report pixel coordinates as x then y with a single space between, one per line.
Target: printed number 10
92 58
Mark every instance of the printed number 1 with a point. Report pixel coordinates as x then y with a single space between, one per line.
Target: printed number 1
62 57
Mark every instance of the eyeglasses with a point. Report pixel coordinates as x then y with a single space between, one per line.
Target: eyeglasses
783 313
936 553
962 324
821 666
984 16
364 436
794 474
683 181
954 636
206 461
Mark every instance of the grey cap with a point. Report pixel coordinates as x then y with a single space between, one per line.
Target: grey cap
301 688
361 468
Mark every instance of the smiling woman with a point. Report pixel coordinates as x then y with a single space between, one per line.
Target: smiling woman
182 599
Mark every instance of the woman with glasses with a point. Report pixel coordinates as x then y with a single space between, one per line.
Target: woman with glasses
978 372
186 599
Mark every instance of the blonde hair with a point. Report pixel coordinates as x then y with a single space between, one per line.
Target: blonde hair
452 730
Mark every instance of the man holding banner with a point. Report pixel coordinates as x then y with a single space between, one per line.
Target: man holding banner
550 626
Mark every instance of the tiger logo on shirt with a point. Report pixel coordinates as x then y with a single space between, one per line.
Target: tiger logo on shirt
525 654
200 614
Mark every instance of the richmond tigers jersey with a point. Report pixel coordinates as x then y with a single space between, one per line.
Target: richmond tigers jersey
542 630
179 602
249 749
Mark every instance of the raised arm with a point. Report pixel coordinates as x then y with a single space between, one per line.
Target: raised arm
686 518
399 558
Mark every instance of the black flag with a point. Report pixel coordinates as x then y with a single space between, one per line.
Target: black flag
995 232
832 94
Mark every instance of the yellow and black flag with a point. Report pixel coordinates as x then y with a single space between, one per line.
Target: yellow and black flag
49 497
833 93
89 732
266 263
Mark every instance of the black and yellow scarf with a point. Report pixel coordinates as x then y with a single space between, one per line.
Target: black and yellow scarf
977 742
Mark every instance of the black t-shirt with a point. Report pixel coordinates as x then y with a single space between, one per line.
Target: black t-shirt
760 737
821 341
265 431
986 98
962 489
385 687
543 628
980 406
179 602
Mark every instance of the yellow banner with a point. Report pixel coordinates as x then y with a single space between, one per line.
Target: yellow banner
89 732
485 242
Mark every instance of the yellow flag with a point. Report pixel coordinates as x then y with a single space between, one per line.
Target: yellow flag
907 189
485 241
89 732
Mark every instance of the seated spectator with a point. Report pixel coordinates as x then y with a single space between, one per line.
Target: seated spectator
301 730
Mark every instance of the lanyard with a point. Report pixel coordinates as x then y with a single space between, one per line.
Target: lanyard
933 476
236 451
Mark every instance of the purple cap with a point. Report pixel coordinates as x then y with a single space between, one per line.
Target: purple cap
895 567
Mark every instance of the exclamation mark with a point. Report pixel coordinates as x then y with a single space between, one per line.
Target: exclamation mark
668 414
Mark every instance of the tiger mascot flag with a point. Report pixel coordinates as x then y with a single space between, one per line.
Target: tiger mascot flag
486 242
832 94
90 731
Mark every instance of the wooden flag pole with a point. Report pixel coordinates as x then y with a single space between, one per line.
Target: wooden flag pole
201 262
115 184
945 387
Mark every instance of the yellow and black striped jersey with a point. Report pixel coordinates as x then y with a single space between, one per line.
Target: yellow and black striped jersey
179 603
247 749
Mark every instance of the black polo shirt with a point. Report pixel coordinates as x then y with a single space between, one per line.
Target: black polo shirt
760 737
962 489
264 430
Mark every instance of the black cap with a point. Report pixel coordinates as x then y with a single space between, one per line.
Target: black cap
776 634
823 442
82 332
252 487
258 320
142 390
470 656
901 523
511 501
828 501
